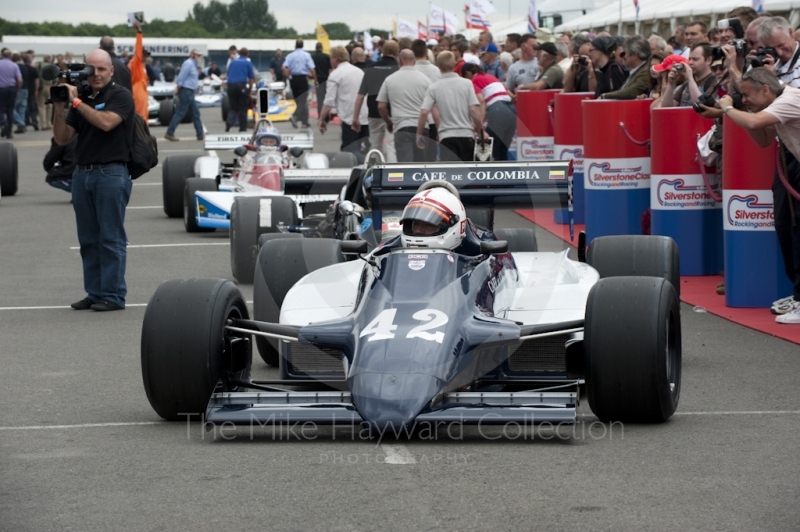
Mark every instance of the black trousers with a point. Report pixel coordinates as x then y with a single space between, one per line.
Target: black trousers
299 85
8 96
405 144
457 149
321 91
239 100
787 221
32 111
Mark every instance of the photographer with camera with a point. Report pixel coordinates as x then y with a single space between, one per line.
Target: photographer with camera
774 109
576 78
699 78
782 51
102 117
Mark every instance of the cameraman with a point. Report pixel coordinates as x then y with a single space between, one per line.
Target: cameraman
576 78
101 184
774 109
776 33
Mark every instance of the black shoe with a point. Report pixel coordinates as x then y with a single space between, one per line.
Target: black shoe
83 304
20 130
3 133
105 305
306 125
227 127
293 120
35 127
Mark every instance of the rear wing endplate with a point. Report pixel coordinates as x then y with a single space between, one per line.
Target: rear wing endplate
507 184
300 139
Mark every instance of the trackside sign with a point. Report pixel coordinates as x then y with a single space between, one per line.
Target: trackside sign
616 174
748 210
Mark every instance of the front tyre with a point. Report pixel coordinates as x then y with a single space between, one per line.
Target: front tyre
632 349
183 345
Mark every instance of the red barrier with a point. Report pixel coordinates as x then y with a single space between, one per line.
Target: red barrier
754 275
616 165
568 139
682 207
535 125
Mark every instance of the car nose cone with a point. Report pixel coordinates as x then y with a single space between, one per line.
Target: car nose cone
390 402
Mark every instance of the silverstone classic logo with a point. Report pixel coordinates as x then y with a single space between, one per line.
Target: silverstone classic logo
678 193
606 175
536 149
573 154
749 212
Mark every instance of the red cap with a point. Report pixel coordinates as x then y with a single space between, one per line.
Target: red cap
670 60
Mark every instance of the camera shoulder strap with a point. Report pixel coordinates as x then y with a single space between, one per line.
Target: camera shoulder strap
791 64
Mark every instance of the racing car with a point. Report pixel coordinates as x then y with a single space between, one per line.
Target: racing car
490 333
269 102
9 171
258 193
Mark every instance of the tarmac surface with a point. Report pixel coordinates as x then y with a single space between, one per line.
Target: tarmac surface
81 448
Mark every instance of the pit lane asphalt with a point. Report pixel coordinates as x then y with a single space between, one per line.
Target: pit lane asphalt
81 449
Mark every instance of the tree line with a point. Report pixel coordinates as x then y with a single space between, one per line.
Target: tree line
242 19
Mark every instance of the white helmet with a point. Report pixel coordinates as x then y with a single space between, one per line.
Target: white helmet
443 218
268 132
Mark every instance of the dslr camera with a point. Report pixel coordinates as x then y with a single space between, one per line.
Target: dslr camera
582 61
76 74
740 45
761 54
709 101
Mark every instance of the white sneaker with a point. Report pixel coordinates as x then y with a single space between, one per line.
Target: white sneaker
783 305
792 317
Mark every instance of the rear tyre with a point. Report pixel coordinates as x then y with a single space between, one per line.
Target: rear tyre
281 263
483 218
251 217
519 239
193 185
632 349
174 172
166 110
226 105
9 169
182 345
639 255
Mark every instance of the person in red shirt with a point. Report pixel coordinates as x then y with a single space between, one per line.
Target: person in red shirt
496 108
458 47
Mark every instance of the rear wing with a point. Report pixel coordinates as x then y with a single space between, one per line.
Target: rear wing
300 139
304 181
507 184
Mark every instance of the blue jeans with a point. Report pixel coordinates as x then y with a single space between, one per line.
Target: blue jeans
186 97
99 198
20 106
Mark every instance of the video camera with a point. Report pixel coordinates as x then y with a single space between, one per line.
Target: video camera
76 74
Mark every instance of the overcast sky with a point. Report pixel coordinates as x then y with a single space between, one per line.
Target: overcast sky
301 14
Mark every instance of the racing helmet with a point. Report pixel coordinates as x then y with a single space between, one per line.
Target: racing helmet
266 133
434 218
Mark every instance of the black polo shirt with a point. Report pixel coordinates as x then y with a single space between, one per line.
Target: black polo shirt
96 146
322 66
372 81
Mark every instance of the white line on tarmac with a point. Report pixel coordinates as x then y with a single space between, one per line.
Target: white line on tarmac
128 305
85 425
398 454
188 244
395 454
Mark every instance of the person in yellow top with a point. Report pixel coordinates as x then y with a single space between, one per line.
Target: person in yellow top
139 74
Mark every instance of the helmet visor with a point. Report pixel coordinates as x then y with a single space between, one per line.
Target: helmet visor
429 214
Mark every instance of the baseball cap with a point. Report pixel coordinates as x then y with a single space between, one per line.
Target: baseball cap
548 47
669 61
432 42
196 51
491 48
375 39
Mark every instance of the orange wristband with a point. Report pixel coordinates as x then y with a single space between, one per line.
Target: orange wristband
76 102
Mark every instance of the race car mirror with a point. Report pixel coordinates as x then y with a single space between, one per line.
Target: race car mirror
241 151
295 151
353 247
494 247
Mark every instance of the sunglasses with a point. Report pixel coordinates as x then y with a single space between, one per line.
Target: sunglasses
718 68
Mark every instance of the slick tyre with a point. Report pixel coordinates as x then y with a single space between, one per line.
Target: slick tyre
166 110
250 218
183 345
226 106
9 169
519 239
193 185
639 255
174 172
632 349
281 263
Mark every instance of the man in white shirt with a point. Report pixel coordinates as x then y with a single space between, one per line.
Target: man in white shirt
343 84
